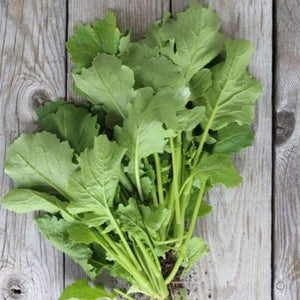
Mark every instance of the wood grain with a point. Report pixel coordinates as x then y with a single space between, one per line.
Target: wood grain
32 64
130 14
239 229
287 159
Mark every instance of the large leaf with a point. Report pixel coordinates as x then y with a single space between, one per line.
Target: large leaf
27 200
107 82
233 138
93 185
88 41
197 38
40 160
233 92
218 168
56 232
73 124
81 290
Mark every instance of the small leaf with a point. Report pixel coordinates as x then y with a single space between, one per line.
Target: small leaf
81 290
142 133
233 138
197 248
218 168
131 221
156 220
48 108
80 233
88 41
73 124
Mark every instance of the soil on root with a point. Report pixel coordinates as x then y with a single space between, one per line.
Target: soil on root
176 289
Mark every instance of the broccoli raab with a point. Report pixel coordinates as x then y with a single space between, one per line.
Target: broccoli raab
122 177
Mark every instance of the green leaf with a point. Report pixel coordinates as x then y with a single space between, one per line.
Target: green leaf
88 41
197 248
40 160
156 220
109 83
218 168
233 92
81 290
200 83
93 185
73 124
48 108
233 138
197 38
142 133
56 232
188 119
204 209
159 72
27 200
124 43
117 270
131 221
80 233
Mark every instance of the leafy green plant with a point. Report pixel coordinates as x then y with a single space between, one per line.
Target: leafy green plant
122 179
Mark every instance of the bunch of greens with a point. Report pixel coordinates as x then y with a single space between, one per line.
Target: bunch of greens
122 178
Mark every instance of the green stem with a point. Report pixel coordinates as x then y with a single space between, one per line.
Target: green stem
159 179
145 266
162 287
106 242
175 189
123 294
204 136
188 236
124 241
126 182
170 241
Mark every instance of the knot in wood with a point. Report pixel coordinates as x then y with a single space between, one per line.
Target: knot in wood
285 124
280 285
38 98
16 286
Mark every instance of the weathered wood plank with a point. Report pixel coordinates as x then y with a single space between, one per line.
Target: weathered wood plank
32 69
287 158
239 229
130 14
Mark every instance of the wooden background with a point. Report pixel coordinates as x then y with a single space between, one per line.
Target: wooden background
253 231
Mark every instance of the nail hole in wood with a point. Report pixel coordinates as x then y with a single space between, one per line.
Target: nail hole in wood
285 124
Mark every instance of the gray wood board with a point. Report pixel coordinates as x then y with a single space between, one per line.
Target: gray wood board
32 64
32 69
287 160
239 229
